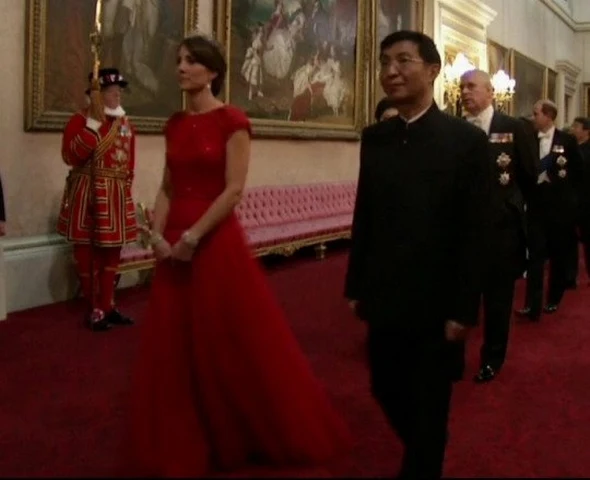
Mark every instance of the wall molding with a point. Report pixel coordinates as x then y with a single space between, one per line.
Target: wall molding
571 73
38 270
566 16
461 26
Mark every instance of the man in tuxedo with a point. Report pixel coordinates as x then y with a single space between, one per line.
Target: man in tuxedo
551 211
581 130
418 232
513 170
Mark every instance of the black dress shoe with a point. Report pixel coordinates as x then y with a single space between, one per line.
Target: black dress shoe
527 312
114 317
485 374
97 321
551 308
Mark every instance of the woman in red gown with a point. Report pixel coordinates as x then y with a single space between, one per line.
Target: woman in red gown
220 378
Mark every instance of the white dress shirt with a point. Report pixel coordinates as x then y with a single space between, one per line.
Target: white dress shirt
545 141
483 120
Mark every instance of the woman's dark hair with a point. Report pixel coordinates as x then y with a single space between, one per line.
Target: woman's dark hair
383 105
207 52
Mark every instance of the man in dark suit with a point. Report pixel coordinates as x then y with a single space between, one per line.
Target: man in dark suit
581 130
551 211
418 234
513 170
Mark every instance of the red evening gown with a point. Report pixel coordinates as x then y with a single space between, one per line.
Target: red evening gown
220 379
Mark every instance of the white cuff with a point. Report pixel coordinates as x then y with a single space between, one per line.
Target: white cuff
93 124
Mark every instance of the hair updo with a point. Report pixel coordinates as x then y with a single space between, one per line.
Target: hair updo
207 52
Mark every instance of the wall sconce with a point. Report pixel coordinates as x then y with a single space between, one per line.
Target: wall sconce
503 88
452 74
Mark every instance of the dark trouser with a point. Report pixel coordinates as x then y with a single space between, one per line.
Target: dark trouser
547 241
411 378
498 295
574 259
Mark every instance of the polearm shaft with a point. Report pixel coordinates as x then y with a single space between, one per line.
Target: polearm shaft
95 44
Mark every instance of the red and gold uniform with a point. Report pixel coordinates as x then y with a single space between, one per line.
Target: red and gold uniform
98 219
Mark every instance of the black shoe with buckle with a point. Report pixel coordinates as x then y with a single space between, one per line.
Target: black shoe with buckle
97 321
114 317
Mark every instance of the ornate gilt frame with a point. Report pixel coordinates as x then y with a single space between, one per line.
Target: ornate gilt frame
36 118
372 48
263 128
509 67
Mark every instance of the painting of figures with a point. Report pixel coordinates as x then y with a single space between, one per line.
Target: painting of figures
530 84
295 66
139 37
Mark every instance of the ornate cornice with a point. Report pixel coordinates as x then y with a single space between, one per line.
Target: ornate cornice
570 73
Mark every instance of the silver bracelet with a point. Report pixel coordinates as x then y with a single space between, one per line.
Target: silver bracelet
155 238
190 238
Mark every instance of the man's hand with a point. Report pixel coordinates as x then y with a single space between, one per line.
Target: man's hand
96 110
455 331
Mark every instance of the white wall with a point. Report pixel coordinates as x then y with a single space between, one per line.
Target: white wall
533 29
545 31
581 10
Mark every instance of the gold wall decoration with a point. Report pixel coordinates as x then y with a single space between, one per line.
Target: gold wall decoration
58 60
296 68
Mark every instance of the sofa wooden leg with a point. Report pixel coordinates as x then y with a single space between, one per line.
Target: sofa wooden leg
320 251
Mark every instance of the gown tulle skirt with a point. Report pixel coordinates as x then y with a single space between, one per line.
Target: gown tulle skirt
220 380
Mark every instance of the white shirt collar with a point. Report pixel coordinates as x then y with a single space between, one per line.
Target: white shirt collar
548 134
114 112
485 118
415 117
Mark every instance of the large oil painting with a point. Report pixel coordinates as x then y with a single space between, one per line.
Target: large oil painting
530 84
139 37
388 16
552 85
295 66
498 58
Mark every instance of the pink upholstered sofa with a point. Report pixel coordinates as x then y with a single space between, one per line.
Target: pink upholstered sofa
277 220
282 219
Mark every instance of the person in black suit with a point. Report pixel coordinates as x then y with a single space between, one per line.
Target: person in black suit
513 170
551 211
581 130
418 232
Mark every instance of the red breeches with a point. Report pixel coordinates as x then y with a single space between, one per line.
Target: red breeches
106 263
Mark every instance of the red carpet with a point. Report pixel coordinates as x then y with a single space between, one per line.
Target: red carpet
63 389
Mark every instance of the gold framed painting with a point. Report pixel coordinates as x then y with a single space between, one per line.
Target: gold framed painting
498 58
388 16
530 83
296 67
58 57
551 85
